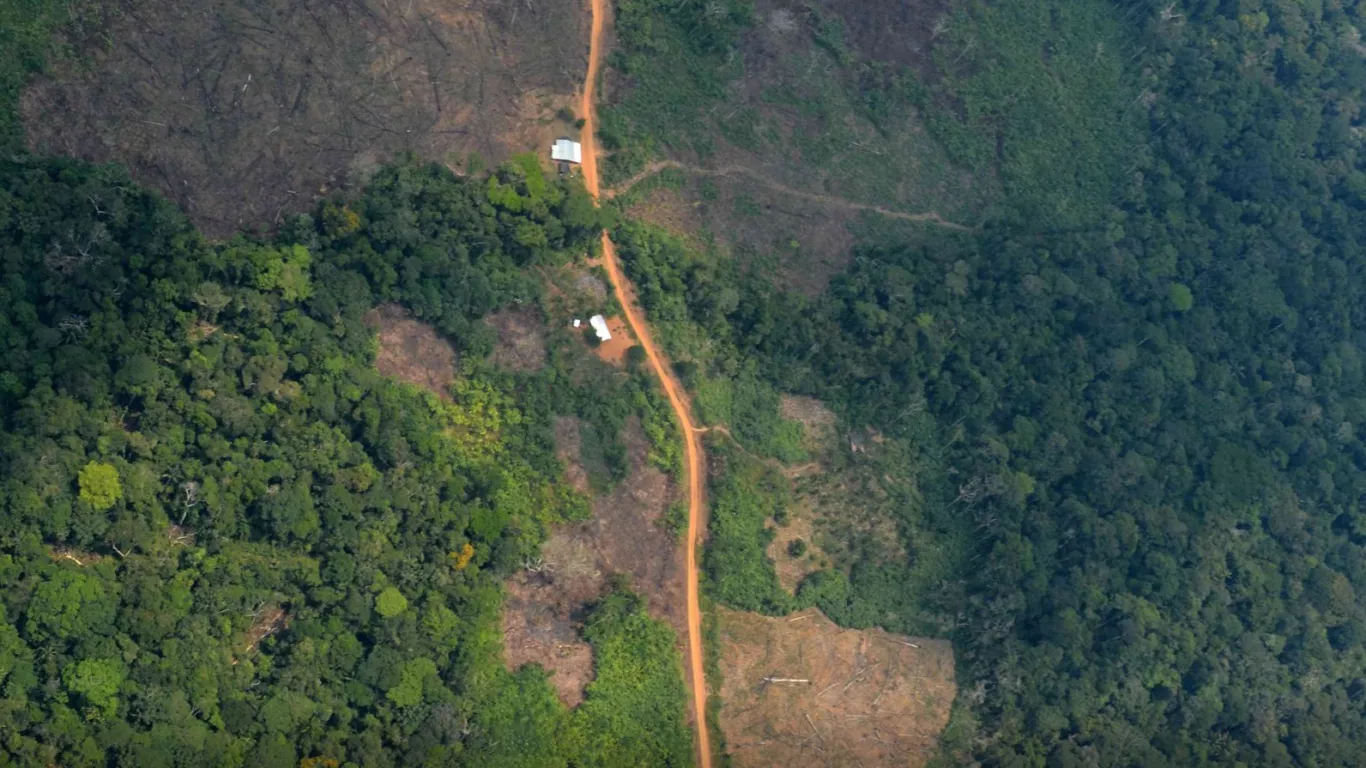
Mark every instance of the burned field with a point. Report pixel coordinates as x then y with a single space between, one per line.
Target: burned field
243 112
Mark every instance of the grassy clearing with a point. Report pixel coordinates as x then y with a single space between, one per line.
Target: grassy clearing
818 111
674 57
794 100
749 406
1038 91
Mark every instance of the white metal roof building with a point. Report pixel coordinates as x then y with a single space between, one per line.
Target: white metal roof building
599 324
565 150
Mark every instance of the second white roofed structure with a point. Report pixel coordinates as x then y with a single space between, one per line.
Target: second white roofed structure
600 326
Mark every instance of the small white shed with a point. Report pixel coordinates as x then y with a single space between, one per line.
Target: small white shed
565 150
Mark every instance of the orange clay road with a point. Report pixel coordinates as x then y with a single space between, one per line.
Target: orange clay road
672 388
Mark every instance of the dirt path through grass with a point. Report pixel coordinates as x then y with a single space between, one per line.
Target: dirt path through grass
693 450
836 202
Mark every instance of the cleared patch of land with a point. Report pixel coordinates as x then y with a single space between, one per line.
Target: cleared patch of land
809 115
569 450
798 243
854 505
629 536
77 556
860 698
521 340
266 621
625 537
544 610
817 135
412 351
245 112
793 550
818 421
614 349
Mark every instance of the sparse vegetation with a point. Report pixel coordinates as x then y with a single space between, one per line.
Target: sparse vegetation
26 28
675 56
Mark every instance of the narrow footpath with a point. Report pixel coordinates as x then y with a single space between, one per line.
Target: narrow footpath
929 217
692 446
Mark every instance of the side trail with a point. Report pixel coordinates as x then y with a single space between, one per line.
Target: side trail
672 388
929 217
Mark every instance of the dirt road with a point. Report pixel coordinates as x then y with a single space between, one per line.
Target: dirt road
693 449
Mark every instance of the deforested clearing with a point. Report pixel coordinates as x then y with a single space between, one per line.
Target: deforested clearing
801 691
244 113
412 351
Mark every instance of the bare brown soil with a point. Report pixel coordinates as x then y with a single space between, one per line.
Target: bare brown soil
870 698
547 600
245 112
614 350
521 340
569 449
544 610
412 351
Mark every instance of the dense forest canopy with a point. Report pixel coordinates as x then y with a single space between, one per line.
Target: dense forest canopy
227 540
1134 401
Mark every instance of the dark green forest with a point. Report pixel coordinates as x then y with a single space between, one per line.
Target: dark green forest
1133 400
227 540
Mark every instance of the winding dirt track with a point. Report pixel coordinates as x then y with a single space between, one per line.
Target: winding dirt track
693 448
835 202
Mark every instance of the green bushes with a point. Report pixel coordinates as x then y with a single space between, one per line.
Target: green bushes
675 57
635 710
749 407
743 497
